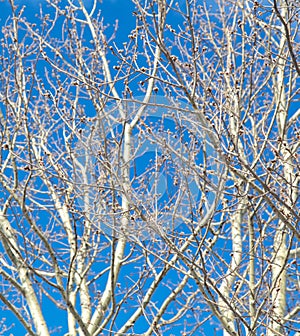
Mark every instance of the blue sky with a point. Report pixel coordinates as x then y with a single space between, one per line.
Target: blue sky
121 10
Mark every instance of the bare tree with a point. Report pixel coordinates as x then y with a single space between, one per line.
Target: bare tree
151 186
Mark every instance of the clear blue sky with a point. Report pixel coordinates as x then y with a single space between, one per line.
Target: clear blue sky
112 10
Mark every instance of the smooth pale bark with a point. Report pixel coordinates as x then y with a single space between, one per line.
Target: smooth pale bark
280 254
226 288
216 84
11 245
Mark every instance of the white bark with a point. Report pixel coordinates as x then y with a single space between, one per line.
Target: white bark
9 239
280 254
236 261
